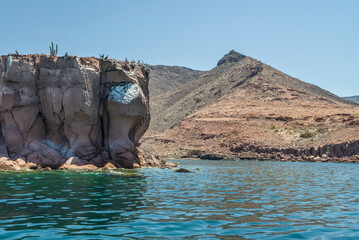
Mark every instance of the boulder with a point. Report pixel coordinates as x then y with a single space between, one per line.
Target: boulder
109 166
8 164
170 164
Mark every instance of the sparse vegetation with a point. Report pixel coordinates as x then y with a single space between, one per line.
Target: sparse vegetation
322 130
307 134
133 64
16 54
66 56
327 152
291 130
53 50
102 57
273 127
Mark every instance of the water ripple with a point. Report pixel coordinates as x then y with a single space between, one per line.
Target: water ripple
222 200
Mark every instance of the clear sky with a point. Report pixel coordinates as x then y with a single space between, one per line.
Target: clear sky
316 41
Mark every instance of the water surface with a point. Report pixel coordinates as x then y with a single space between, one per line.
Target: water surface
221 200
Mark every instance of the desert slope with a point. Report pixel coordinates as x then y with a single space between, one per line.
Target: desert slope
244 108
227 77
167 78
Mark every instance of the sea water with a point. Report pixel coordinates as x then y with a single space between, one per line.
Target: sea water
218 200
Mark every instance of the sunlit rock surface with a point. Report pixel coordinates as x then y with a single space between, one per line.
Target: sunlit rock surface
63 111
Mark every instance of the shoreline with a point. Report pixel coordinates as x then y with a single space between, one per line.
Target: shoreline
75 164
346 159
169 164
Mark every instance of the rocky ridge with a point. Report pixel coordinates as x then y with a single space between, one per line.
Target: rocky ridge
353 99
168 78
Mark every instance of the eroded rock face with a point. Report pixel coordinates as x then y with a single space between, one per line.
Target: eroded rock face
56 108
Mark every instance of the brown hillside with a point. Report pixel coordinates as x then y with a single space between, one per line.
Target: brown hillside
166 78
171 107
245 108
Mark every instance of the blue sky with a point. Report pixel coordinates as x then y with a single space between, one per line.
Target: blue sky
315 41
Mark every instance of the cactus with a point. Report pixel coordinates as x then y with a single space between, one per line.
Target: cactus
66 56
103 58
53 51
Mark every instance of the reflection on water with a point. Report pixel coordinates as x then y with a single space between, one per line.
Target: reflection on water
225 200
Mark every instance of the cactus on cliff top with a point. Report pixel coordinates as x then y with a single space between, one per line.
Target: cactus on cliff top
53 50
103 58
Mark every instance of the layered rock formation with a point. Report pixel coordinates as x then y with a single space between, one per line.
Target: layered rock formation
58 111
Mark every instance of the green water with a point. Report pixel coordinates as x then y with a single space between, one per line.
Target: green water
221 200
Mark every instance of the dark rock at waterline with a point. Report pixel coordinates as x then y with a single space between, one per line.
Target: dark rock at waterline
211 157
182 170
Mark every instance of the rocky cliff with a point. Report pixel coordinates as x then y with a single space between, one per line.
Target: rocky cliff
61 111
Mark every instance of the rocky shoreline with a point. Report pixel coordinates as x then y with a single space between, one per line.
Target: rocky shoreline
274 157
76 164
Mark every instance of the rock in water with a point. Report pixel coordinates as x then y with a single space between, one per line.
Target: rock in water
183 170
54 108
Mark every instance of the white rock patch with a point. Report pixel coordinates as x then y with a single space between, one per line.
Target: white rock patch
124 93
9 63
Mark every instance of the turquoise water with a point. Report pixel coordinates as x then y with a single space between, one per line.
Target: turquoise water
221 200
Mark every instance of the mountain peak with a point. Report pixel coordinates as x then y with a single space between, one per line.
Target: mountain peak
231 57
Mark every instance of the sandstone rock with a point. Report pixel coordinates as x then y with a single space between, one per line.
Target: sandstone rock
75 161
52 108
109 166
136 165
31 165
20 162
170 164
8 164
87 167
153 161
